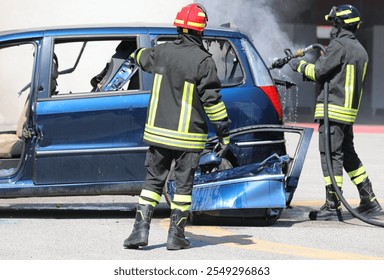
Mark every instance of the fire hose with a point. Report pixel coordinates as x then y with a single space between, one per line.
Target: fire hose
279 63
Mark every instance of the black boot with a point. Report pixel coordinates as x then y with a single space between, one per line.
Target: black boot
176 238
368 202
140 232
331 210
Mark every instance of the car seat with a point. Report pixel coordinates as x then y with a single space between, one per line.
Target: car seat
11 144
118 70
54 75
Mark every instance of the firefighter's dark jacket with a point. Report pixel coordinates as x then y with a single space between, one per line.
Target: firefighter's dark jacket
344 66
185 89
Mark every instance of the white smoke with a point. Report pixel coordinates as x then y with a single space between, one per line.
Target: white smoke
259 19
269 33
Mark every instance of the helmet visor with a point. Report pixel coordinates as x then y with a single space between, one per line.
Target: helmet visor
332 15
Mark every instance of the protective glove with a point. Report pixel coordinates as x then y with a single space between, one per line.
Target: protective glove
296 64
222 128
222 131
221 149
131 59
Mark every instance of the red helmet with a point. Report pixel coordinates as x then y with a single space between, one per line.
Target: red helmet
192 16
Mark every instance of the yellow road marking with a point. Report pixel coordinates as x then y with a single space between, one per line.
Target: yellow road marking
220 236
311 203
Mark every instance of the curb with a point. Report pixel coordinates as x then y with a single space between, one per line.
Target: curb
357 128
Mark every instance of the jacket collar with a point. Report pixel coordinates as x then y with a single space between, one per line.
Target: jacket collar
189 39
344 33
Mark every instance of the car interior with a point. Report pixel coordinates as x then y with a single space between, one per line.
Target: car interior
83 57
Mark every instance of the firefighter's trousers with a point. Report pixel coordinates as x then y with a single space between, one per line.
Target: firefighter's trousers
158 163
342 152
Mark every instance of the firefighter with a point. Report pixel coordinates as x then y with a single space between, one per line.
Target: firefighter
343 66
185 90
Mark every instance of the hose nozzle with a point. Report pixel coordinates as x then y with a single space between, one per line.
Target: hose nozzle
302 52
280 62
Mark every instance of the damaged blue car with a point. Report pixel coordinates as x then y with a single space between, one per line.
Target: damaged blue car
72 116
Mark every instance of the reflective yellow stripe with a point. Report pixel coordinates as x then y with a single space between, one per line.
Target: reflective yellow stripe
180 207
186 107
174 142
216 112
154 99
349 85
215 108
189 136
343 13
336 112
302 62
187 198
226 140
359 175
195 24
151 195
357 172
351 20
309 72
183 218
139 55
149 198
201 14
360 179
362 80
179 21
173 138
146 202
181 202
365 70
338 179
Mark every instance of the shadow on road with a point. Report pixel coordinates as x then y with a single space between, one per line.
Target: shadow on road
77 211
290 217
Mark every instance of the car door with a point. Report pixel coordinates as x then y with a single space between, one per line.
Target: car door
87 135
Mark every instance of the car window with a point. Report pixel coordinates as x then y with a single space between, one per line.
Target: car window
260 73
83 66
16 68
228 65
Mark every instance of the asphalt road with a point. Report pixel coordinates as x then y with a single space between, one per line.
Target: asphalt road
93 228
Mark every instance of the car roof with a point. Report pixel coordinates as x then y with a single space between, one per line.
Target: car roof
86 30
